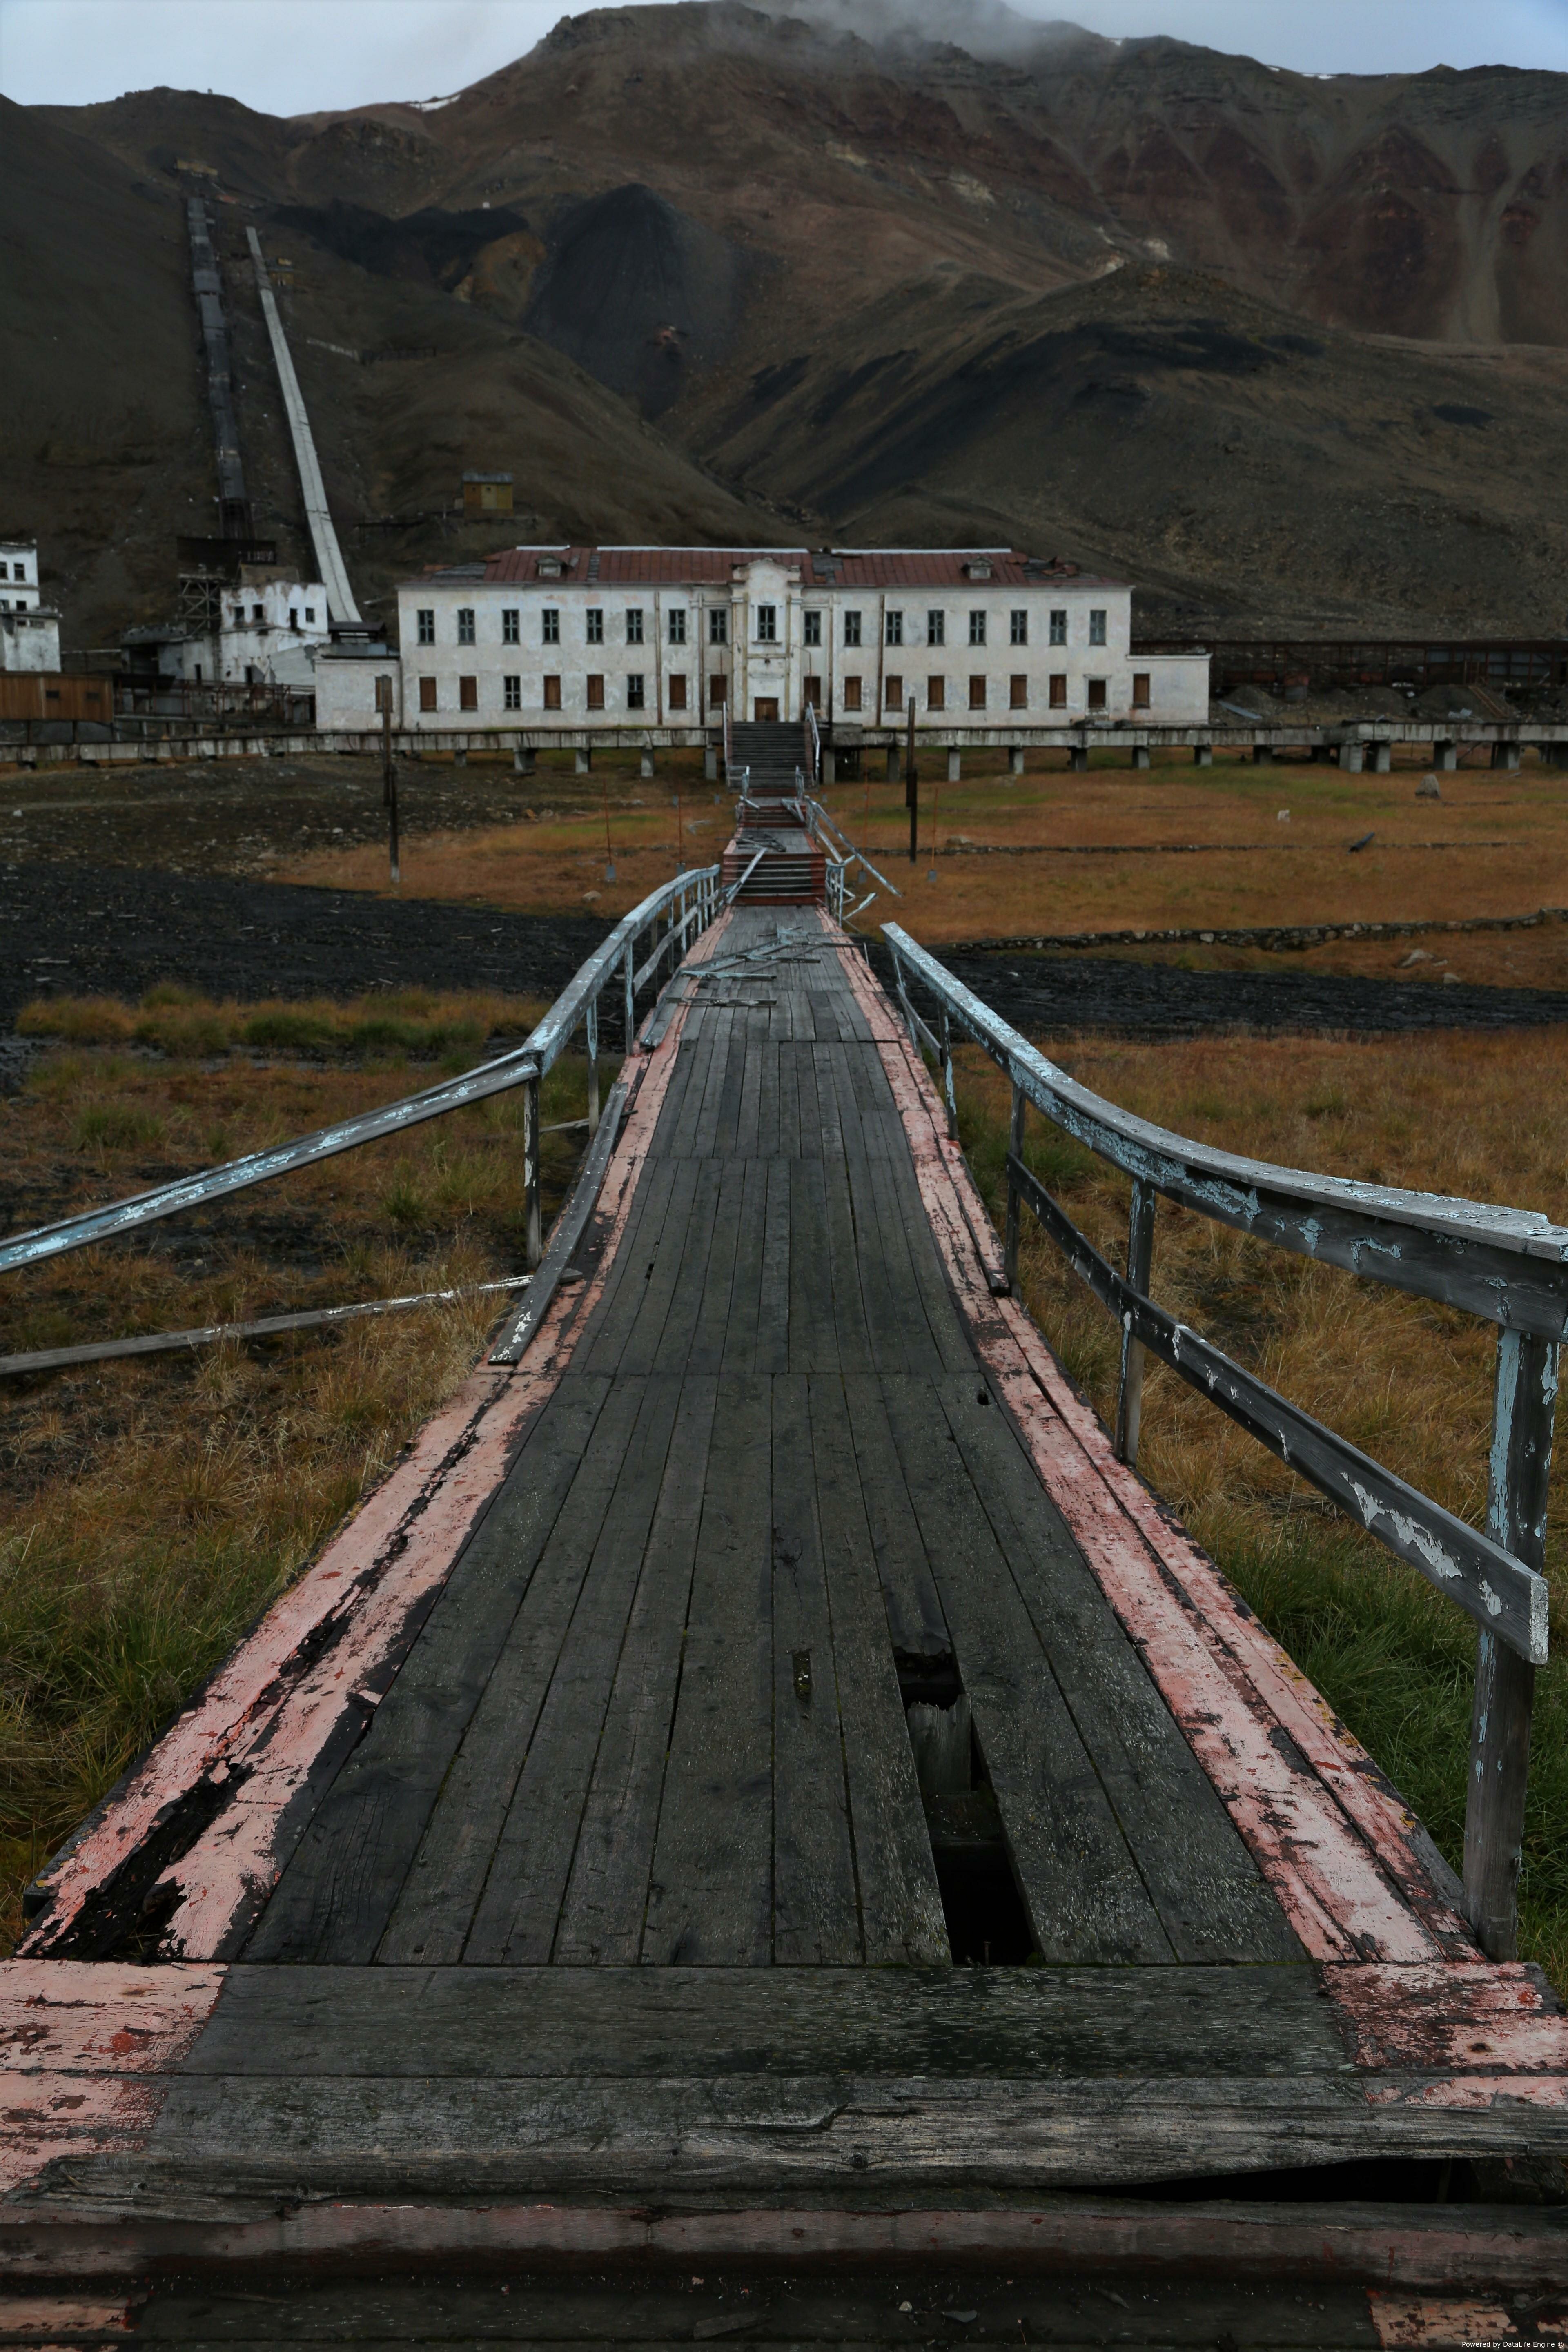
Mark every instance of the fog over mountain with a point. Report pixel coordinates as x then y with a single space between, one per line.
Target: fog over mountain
1287 350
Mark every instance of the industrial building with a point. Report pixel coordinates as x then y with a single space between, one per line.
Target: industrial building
29 629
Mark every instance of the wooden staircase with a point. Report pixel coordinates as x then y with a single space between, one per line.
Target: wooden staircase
772 857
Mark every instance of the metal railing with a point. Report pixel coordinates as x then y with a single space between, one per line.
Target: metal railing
685 906
1508 1265
813 737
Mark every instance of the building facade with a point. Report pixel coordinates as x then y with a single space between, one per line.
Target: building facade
260 628
575 641
29 629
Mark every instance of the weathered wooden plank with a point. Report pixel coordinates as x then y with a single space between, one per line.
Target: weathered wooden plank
917 1349
772 1350
606 1894
682 1232
747 1142
690 1287
728 1123
767 1053
1080 1885
517 1917
711 1899
813 1336
746 1285
1212 1901
336 1894
949 1335
605 1334
853 1336
710 1331
788 1083
888 1322
699 1129
805 1057
916 1622
900 1902
816 1915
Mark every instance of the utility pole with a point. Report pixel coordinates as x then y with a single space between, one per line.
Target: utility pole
911 780
388 776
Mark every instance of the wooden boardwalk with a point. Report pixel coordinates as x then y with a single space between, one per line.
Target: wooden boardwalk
764 1757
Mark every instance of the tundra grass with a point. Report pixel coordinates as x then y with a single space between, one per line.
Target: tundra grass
1407 1380
149 1510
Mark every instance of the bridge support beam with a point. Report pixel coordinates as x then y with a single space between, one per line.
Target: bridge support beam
645 766
895 763
582 761
710 763
1506 756
1351 758
955 767
1382 758
830 766
1263 755
1078 760
1141 755
1203 755
1446 757
1525 1401
1015 760
459 759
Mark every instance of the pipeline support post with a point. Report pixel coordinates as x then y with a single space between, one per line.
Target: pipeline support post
1016 1147
535 1239
591 1035
1518 1475
911 781
1140 1264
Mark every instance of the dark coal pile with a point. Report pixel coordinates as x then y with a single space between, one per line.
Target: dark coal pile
1049 994
82 931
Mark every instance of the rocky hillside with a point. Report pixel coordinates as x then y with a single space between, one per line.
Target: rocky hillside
1290 350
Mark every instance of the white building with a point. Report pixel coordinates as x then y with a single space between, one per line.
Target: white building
29 629
987 643
260 629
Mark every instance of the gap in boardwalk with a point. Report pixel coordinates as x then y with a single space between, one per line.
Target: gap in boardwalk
987 1922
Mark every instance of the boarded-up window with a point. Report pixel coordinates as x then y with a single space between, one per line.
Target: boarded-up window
813 692
595 693
467 694
1097 694
718 689
552 694
677 690
936 693
1017 693
977 694
1140 689
426 694
893 691
851 694
1058 690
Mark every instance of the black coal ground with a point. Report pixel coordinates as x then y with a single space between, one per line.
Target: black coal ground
79 931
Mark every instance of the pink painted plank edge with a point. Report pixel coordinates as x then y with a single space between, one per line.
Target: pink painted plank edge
1329 1837
269 1711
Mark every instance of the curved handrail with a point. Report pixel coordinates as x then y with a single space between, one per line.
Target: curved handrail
813 733
525 1063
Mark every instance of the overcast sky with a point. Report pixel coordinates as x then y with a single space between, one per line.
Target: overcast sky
293 56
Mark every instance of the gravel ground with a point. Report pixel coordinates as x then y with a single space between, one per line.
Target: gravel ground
80 930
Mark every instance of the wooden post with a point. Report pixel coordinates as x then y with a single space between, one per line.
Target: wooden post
591 1025
535 1242
388 776
911 780
1140 1260
1016 1146
1520 1466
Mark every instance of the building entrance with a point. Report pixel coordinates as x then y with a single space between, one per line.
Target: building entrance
765 710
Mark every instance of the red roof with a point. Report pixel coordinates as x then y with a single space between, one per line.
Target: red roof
682 567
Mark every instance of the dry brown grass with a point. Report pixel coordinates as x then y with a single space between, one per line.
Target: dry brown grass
151 1508
1408 1381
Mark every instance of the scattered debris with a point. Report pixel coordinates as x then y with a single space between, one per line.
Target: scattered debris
1428 789
1361 844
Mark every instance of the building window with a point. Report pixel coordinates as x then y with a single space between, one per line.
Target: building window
813 692
465 625
1019 627
936 628
936 693
1017 693
310 616
634 625
258 612
293 617
677 627
512 693
893 691
18 571
1058 628
551 620
594 621
718 689
634 691
552 694
1096 627
1058 690
977 628
851 628
595 693
677 690
851 694
811 628
1097 694
238 614
467 694
718 627
895 628
426 694
1140 690
977 694
767 624
512 627
424 618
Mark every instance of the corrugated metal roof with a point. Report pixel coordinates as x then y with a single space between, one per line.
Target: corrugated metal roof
696 567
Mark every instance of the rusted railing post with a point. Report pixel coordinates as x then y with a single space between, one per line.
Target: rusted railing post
1140 1259
1016 1147
1505 1683
535 1238
590 1028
